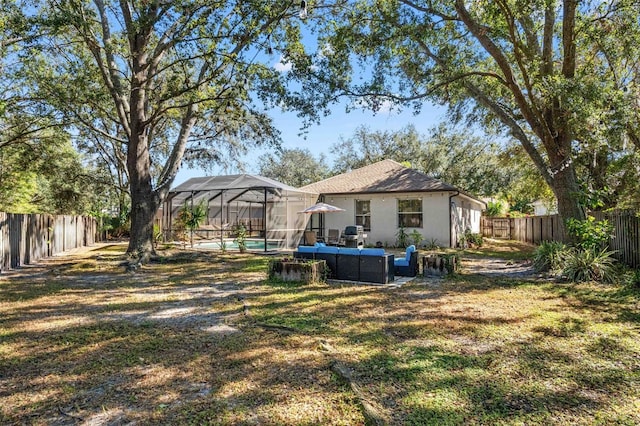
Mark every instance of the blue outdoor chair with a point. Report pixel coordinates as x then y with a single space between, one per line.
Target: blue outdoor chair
407 266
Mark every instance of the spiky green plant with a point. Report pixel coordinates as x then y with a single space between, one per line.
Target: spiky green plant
432 244
494 208
416 238
191 216
589 264
548 256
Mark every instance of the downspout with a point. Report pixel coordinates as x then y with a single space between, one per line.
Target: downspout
450 216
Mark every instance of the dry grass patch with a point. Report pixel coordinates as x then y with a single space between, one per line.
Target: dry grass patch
202 338
503 249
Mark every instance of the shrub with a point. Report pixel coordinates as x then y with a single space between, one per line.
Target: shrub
548 256
589 264
241 238
494 208
630 277
473 238
521 206
432 244
635 278
116 226
402 238
416 237
590 233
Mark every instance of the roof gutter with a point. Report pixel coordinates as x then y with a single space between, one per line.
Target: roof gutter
450 216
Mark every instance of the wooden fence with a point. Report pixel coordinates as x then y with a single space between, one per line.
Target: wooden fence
536 229
626 235
27 238
533 229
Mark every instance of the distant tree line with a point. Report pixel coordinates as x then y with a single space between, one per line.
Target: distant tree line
454 155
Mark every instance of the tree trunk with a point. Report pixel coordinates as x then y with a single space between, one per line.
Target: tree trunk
144 200
565 187
144 207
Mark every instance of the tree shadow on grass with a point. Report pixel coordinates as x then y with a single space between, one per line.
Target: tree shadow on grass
441 386
620 302
427 361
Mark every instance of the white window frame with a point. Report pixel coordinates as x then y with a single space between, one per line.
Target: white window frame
363 216
402 213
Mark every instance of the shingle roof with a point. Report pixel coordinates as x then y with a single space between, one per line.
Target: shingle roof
383 176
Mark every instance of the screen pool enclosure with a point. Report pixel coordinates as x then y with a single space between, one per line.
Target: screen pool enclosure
267 209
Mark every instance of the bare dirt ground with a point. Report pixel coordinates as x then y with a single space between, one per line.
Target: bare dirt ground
491 267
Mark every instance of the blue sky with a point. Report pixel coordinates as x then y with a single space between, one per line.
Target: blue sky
320 138
339 124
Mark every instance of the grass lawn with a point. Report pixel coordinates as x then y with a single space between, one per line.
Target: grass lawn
202 338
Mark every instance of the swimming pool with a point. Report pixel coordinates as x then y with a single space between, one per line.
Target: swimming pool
232 245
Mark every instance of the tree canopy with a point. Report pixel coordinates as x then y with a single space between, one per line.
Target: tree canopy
548 74
144 88
454 155
296 167
152 85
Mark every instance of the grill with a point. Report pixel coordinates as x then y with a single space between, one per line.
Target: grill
353 236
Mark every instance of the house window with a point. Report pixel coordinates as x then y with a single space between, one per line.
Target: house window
410 213
363 214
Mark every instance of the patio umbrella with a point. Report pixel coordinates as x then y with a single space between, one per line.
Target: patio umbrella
321 208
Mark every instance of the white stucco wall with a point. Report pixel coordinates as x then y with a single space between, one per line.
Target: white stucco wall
384 216
468 215
541 208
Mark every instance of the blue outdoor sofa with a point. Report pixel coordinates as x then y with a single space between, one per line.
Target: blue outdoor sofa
352 264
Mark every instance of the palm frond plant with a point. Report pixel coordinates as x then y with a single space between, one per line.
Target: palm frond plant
191 216
548 256
589 264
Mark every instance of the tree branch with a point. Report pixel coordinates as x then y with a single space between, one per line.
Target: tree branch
513 125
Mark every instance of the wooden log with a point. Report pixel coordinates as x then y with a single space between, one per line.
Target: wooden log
371 414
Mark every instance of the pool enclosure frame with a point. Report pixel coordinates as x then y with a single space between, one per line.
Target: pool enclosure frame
268 209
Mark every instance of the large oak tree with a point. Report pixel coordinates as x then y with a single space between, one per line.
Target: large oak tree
161 82
538 70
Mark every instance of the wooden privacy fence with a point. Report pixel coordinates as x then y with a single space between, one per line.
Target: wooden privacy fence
626 235
536 229
27 238
533 229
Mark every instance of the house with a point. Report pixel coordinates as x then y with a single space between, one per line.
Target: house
385 196
544 207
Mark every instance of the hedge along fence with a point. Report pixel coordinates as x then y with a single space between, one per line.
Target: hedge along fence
536 229
27 238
